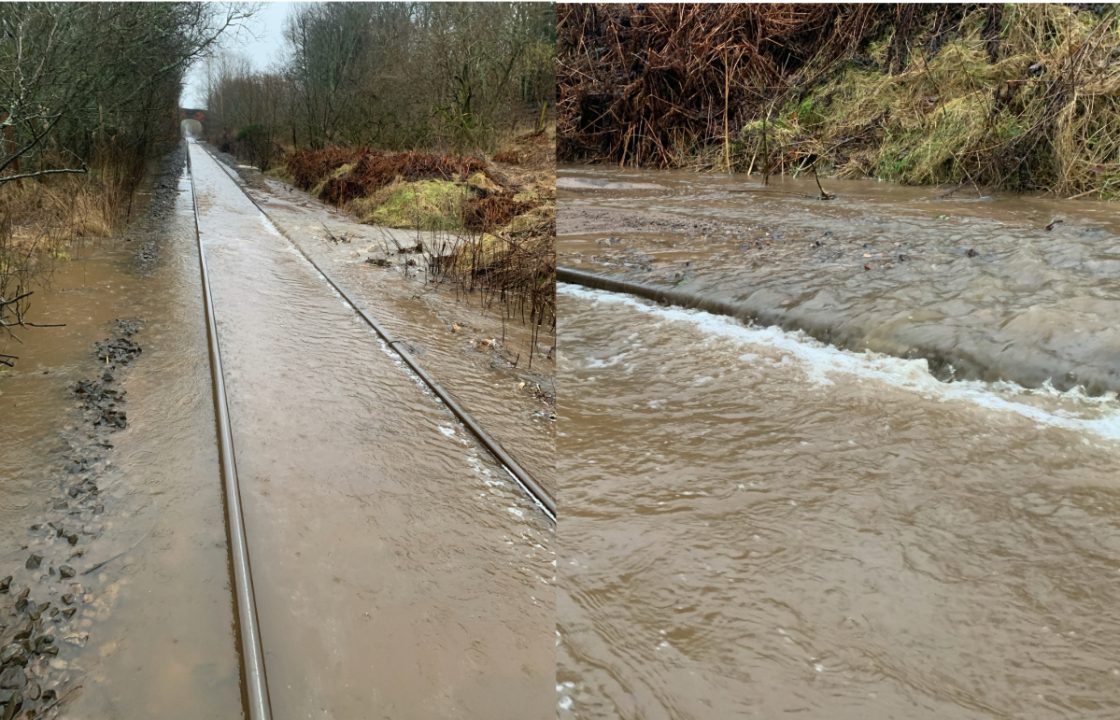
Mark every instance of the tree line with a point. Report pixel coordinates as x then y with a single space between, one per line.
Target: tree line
86 89
452 76
79 80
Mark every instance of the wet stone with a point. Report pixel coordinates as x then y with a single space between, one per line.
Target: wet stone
12 706
5 584
34 561
13 677
68 598
36 611
13 654
65 571
34 691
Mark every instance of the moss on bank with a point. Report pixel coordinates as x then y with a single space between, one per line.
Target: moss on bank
420 205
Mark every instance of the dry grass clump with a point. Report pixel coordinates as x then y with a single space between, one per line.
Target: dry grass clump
308 167
1036 106
39 220
1011 96
649 84
488 212
341 174
515 265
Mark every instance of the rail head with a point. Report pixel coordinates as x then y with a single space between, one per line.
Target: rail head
254 679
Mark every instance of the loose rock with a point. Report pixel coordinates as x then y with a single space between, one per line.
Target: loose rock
13 654
13 678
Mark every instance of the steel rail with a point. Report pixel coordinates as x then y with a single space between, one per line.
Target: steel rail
541 497
665 296
254 683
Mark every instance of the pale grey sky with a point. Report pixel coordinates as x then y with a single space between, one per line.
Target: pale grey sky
261 42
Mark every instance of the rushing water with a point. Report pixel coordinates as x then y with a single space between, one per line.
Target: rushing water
979 286
398 572
756 525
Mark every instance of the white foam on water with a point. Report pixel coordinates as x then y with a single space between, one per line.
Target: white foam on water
1099 416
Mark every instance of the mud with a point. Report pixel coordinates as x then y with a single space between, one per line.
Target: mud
987 288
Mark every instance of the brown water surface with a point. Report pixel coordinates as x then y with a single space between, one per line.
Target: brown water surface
153 635
398 572
755 525
467 347
977 285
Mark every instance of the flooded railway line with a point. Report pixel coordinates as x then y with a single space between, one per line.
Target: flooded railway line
757 523
982 288
528 676
533 489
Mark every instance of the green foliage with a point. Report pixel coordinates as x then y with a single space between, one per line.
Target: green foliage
1043 114
421 205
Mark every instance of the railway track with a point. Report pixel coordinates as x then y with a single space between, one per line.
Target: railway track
664 296
255 683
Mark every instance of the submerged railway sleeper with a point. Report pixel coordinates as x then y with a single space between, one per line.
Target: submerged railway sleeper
947 366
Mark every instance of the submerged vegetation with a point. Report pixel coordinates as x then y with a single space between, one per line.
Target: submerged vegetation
88 96
1017 96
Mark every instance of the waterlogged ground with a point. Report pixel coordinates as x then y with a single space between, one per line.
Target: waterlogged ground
756 525
398 572
116 487
977 285
496 368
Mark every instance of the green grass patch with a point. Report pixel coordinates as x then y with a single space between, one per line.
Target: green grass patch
421 205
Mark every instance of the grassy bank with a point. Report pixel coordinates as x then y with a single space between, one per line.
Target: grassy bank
1021 97
495 218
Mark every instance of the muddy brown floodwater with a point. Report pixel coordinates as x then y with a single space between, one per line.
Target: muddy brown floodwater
138 507
398 572
976 285
757 525
484 362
